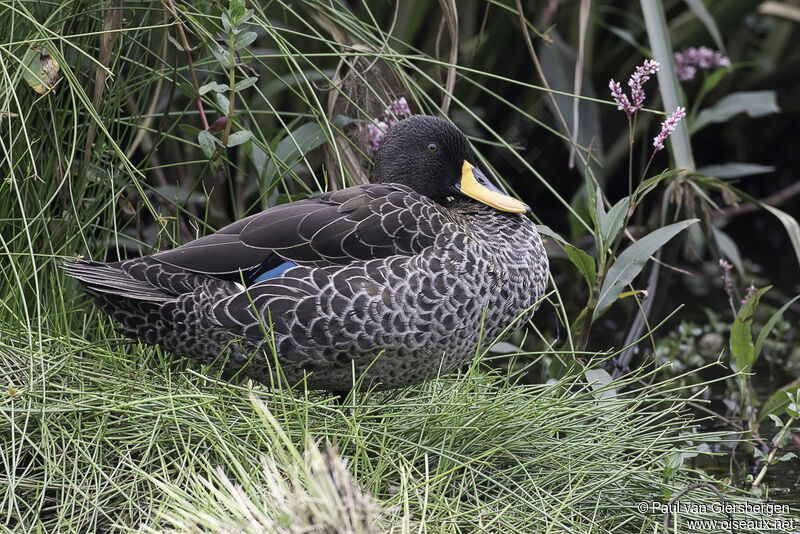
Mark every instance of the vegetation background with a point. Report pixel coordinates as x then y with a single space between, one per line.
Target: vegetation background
128 127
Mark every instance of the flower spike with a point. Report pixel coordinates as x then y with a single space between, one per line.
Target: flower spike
637 79
668 126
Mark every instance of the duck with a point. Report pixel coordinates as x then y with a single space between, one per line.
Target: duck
382 285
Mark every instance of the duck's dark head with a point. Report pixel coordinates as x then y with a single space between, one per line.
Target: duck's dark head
434 158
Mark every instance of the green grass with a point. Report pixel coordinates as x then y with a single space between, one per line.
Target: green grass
97 437
98 433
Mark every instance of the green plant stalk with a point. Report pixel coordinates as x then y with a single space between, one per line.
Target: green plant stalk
661 47
594 298
606 252
602 271
231 82
631 128
747 409
188 52
772 453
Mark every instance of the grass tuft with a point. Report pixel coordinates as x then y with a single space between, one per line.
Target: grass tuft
100 438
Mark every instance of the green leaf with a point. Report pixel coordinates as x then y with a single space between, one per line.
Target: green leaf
630 263
187 90
559 368
788 222
710 81
728 248
226 22
235 11
545 230
650 183
779 400
700 11
213 86
223 102
629 38
754 103
591 200
40 70
741 341
584 263
246 16
237 138
598 218
776 420
579 258
244 40
579 217
208 143
247 82
741 338
291 148
735 170
672 94
177 45
189 130
598 380
222 55
612 223
765 331
599 206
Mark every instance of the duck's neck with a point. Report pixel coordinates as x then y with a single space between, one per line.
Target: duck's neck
510 239
489 225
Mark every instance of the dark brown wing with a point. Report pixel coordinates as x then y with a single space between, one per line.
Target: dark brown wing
357 223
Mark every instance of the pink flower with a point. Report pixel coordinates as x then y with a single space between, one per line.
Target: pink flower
375 133
684 71
749 292
620 98
397 111
637 79
686 62
667 127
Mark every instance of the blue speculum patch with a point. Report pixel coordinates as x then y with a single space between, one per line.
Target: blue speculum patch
275 272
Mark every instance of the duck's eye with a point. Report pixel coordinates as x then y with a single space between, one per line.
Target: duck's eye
433 147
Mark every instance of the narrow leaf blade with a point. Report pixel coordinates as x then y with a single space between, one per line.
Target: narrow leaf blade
791 225
293 147
630 263
735 170
700 10
612 223
584 263
741 338
754 103
762 335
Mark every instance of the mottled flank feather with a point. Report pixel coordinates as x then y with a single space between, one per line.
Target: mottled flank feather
387 283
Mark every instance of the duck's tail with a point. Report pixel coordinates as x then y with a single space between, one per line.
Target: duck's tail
113 279
154 302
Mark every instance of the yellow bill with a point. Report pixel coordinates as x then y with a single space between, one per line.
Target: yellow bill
475 184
